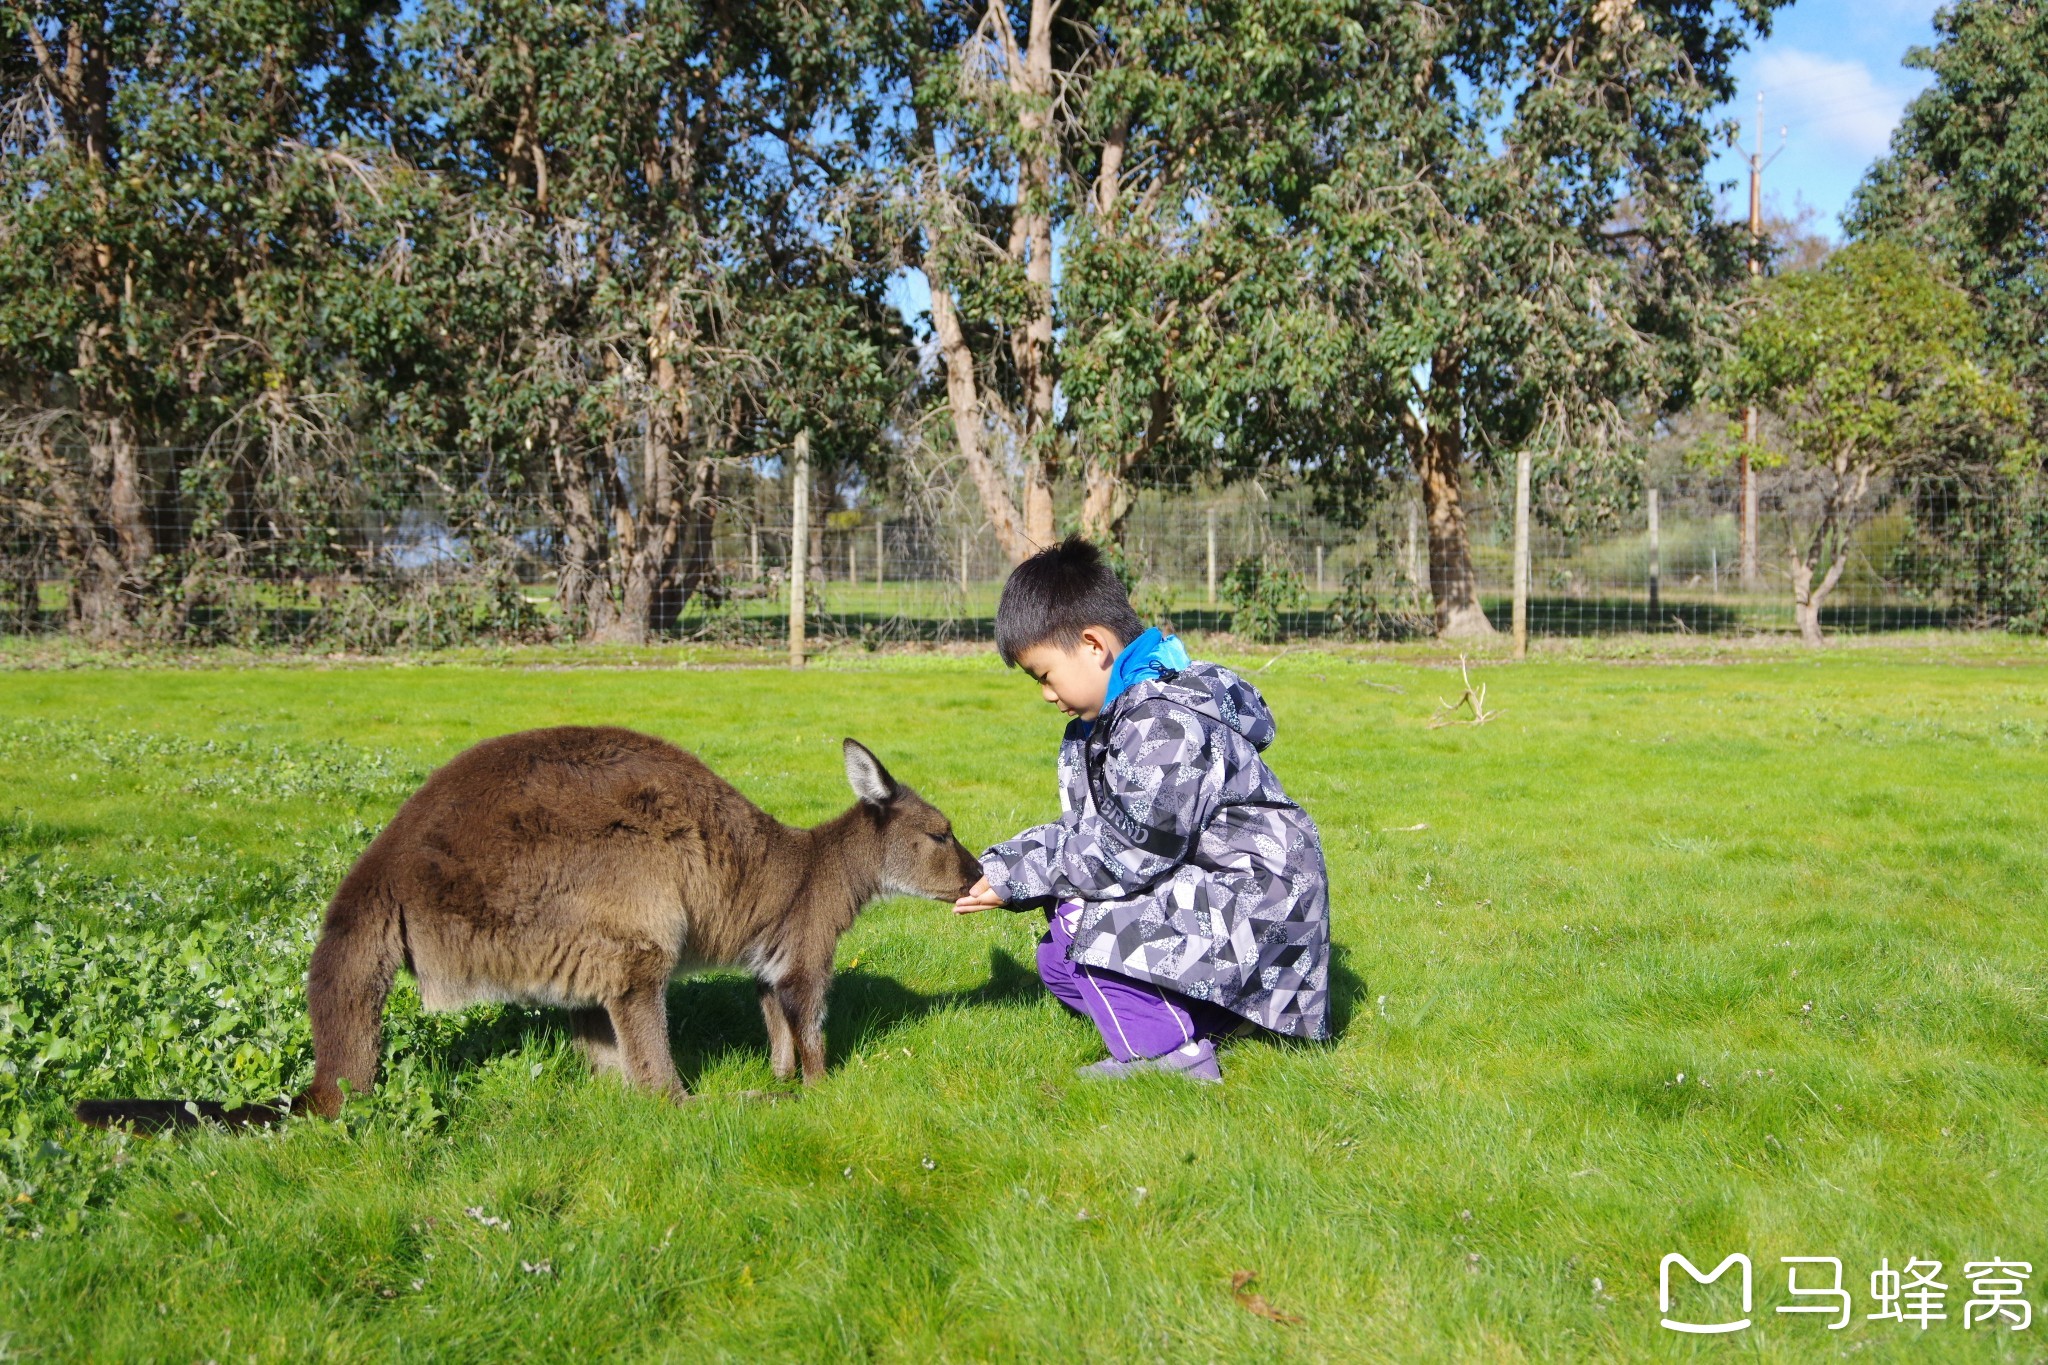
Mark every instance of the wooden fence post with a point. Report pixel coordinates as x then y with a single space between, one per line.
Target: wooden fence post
1319 568
1521 626
881 551
1653 558
1212 556
799 544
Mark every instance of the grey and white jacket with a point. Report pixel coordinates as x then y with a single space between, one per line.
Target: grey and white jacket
1193 868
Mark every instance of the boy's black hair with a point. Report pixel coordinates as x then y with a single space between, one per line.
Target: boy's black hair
1056 594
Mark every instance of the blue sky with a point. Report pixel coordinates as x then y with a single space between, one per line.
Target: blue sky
1831 77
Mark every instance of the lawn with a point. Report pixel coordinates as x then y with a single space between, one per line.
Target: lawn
1702 957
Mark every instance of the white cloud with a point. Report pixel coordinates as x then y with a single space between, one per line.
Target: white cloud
1822 100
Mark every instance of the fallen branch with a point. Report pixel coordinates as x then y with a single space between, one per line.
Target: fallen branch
1240 1286
1447 711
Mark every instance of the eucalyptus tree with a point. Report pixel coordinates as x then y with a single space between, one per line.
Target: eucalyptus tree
1964 178
1525 241
1166 153
180 197
664 267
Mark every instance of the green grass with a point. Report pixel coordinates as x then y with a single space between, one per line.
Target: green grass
1814 886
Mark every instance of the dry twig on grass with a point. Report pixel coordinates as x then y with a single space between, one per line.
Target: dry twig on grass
1240 1286
1447 711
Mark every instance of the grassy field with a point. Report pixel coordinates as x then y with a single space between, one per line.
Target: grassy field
1699 958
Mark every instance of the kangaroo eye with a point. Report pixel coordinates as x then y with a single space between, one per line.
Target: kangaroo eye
941 836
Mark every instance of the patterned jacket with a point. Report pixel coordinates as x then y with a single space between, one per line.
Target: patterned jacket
1193 869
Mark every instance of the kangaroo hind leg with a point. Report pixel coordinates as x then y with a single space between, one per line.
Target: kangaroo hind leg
590 1028
781 1038
639 1019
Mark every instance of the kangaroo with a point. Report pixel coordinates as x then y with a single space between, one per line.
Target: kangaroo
583 868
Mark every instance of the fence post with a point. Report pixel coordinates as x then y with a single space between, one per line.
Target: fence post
1418 570
1521 610
1319 568
1653 557
853 559
754 549
1746 515
1212 556
799 544
963 570
881 550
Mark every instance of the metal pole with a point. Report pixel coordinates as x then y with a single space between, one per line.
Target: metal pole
799 544
1653 557
1521 609
1745 472
1212 556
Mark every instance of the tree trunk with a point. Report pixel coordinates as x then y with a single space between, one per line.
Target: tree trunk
696 568
1031 234
963 397
112 550
1106 502
583 585
1029 74
1437 451
1807 596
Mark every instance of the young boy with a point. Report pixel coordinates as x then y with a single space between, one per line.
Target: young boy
1184 893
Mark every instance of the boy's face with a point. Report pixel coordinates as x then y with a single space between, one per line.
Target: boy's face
1075 680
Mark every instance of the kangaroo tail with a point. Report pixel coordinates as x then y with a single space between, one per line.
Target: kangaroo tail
163 1116
361 947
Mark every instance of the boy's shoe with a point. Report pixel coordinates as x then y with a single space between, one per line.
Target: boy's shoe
1196 1061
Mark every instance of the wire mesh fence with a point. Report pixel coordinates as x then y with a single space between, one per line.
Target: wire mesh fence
1267 568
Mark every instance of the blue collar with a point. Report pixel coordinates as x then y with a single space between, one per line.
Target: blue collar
1151 655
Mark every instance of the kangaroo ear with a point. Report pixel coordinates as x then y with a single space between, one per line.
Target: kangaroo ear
866 775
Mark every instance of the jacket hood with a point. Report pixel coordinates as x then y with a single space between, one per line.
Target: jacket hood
1216 692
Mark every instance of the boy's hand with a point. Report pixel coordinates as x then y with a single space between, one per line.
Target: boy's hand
978 897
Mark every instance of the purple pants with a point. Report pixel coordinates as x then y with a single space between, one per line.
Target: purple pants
1135 1018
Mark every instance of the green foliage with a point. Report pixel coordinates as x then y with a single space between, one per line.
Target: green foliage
1263 590
1875 365
1356 613
1963 179
1876 370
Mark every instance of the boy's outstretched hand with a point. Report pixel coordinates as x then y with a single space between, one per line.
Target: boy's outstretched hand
978 897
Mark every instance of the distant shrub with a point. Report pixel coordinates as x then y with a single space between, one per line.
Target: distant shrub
1263 590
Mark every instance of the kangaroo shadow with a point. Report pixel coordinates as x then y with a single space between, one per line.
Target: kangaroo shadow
710 1017
713 1016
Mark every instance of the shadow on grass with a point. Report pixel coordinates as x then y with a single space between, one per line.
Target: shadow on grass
710 1017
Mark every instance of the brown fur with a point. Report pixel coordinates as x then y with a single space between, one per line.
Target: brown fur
583 868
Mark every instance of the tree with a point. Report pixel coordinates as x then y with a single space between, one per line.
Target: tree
1875 369
1524 240
664 272
1167 152
1964 176
182 209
